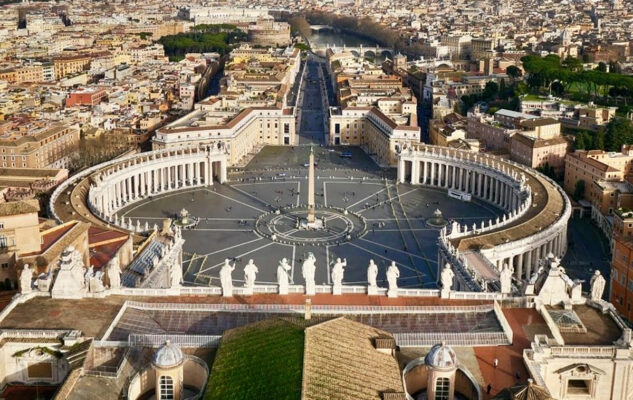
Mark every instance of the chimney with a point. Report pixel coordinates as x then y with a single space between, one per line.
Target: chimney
385 344
308 310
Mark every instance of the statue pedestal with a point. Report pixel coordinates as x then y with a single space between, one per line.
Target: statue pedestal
314 225
283 290
310 290
392 293
227 293
445 293
337 290
248 291
372 290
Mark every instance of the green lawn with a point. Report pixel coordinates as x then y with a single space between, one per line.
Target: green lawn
263 360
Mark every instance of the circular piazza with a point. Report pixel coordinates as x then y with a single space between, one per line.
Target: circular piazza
367 212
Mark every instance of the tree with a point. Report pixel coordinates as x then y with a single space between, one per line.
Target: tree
598 140
614 67
579 190
579 143
514 72
602 67
491 90
619 131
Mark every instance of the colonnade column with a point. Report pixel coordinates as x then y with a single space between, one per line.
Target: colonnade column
423 176
459 179
528 265
518 272
415 172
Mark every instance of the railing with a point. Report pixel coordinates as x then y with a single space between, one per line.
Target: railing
584 351
451 339
33 333
316 309
109 343
476 295
549 321
507 329
104 371
181 340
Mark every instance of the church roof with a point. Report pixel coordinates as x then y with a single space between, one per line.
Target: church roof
341 361
529 391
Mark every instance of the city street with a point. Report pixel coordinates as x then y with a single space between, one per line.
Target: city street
312 105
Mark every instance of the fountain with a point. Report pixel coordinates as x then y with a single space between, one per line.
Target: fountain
437 221
185 220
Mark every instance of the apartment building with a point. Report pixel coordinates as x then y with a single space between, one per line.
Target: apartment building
596 165
621 288
375 110
250 111
539 153
68 65
603 175
38 145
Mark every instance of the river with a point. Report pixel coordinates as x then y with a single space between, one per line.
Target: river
323 38
330 37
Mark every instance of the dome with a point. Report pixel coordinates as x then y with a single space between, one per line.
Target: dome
168 355
441 356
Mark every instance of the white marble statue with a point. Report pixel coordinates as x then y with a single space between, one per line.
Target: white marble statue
78 270
96 283
176 275
308 270
282 276
372 274
250 272
446 279
597 286
226 280
393 273
114 273
88 276
338 271
505 279
26 277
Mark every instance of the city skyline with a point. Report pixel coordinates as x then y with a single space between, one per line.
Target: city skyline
328 199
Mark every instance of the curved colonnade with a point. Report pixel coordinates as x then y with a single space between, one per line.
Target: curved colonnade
118 183
534 223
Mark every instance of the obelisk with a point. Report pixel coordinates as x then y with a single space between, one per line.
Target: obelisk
310 217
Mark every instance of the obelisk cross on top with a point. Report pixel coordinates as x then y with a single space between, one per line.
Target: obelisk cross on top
310 217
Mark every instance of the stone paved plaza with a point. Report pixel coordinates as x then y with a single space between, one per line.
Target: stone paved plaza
277 178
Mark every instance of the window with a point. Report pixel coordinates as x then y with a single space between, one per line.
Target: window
166 388
578 386
442 388
3 241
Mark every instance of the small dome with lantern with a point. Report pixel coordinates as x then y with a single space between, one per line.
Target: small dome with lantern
168 355
441 356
